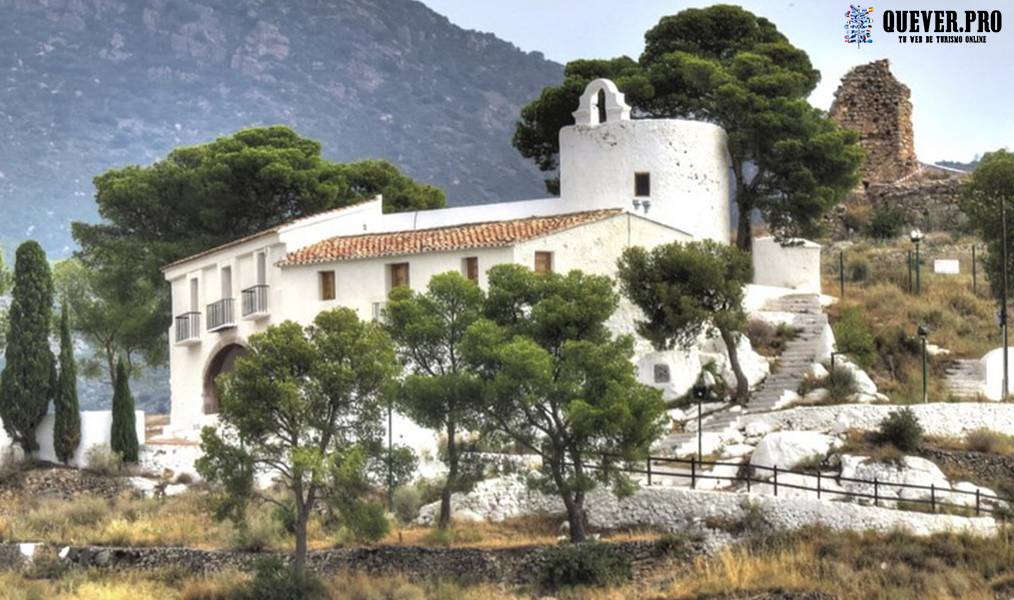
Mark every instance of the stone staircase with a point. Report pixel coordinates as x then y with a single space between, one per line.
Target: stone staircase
965 378
794 363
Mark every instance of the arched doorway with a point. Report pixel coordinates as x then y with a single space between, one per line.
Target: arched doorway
221 361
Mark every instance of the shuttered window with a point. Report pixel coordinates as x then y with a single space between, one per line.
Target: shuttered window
327 286
642 184
399 275
543 262
472 268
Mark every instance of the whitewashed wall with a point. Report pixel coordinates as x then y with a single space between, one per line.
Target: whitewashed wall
688 162
96 427
796 267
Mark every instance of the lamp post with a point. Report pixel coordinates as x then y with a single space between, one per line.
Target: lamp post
923 333
834 354
700 391
390 454
916 236
1003 296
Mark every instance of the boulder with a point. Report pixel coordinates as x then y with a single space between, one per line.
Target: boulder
788 397
968 498
758 429
464 515
787 449
817 371
737 450
864 384
816 396
913 470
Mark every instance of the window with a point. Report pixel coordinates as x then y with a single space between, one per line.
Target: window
662 373
327 285
471 268
601 101
262 268
543 262
642 184
226 274
194 298
399 274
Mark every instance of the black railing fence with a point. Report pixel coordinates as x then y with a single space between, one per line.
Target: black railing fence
221 314
188 326
255 300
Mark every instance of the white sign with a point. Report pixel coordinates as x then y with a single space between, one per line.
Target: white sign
947 267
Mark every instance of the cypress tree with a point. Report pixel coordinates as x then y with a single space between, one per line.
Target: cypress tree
67 426
123 438
28 381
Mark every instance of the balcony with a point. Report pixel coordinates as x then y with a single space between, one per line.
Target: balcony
188 328
221 314
254 301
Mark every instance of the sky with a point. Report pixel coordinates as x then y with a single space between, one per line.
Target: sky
961 93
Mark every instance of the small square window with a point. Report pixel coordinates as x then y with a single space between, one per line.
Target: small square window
662 373
543 262
327 285
642 184
471 267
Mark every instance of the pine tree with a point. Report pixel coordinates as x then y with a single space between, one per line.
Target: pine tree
67 426
123 438
28 381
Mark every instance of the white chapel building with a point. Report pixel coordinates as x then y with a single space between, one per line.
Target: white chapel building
623 182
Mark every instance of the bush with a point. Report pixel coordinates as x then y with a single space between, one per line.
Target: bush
103 460
406 503
258 532
589 563
853 336
858 270
887 222
840 383
274 580
366 521
856 217
990 442
452 535
901 429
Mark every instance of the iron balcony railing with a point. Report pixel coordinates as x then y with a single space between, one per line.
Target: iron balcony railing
221 314
255 300
188 327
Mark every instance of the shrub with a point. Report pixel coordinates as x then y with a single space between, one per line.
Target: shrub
588 563
406 503
887 222
103 460
856 217
258 532
858 270
274 580
452 535
901 429
677 545
840 383
853 336
989 441
366 521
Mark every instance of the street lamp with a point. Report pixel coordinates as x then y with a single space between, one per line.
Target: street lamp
1003 297
923 333
916 236
700 391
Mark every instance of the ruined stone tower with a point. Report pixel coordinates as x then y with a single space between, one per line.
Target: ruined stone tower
873 103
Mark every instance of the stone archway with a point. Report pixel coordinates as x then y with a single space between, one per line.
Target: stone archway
222 360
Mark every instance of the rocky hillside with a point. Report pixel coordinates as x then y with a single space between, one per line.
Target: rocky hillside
94 84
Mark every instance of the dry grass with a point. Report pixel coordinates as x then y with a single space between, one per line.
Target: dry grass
981 440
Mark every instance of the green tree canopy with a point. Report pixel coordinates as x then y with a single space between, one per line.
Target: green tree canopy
28 381
982 198
110 308
686 290
559 383
123 436
202 196
725 65
439 392
305 404
67 413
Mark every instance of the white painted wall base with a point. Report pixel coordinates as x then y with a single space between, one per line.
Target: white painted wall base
796 267
96 427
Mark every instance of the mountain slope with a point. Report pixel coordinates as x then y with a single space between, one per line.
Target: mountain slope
94 84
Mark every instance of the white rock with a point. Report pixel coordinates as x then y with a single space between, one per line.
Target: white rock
737 450
968 498
816 396
175 489
861 398
817 371
143 485
758 428
864 384
914 471
787 449
463 515
788 397
934 350
677 415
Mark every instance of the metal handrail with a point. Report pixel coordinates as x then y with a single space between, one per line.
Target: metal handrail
255 299
188 326
221 314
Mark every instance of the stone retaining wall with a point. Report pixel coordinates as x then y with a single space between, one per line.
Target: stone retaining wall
511 565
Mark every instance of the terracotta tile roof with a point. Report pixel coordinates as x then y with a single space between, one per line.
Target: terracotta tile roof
493 234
